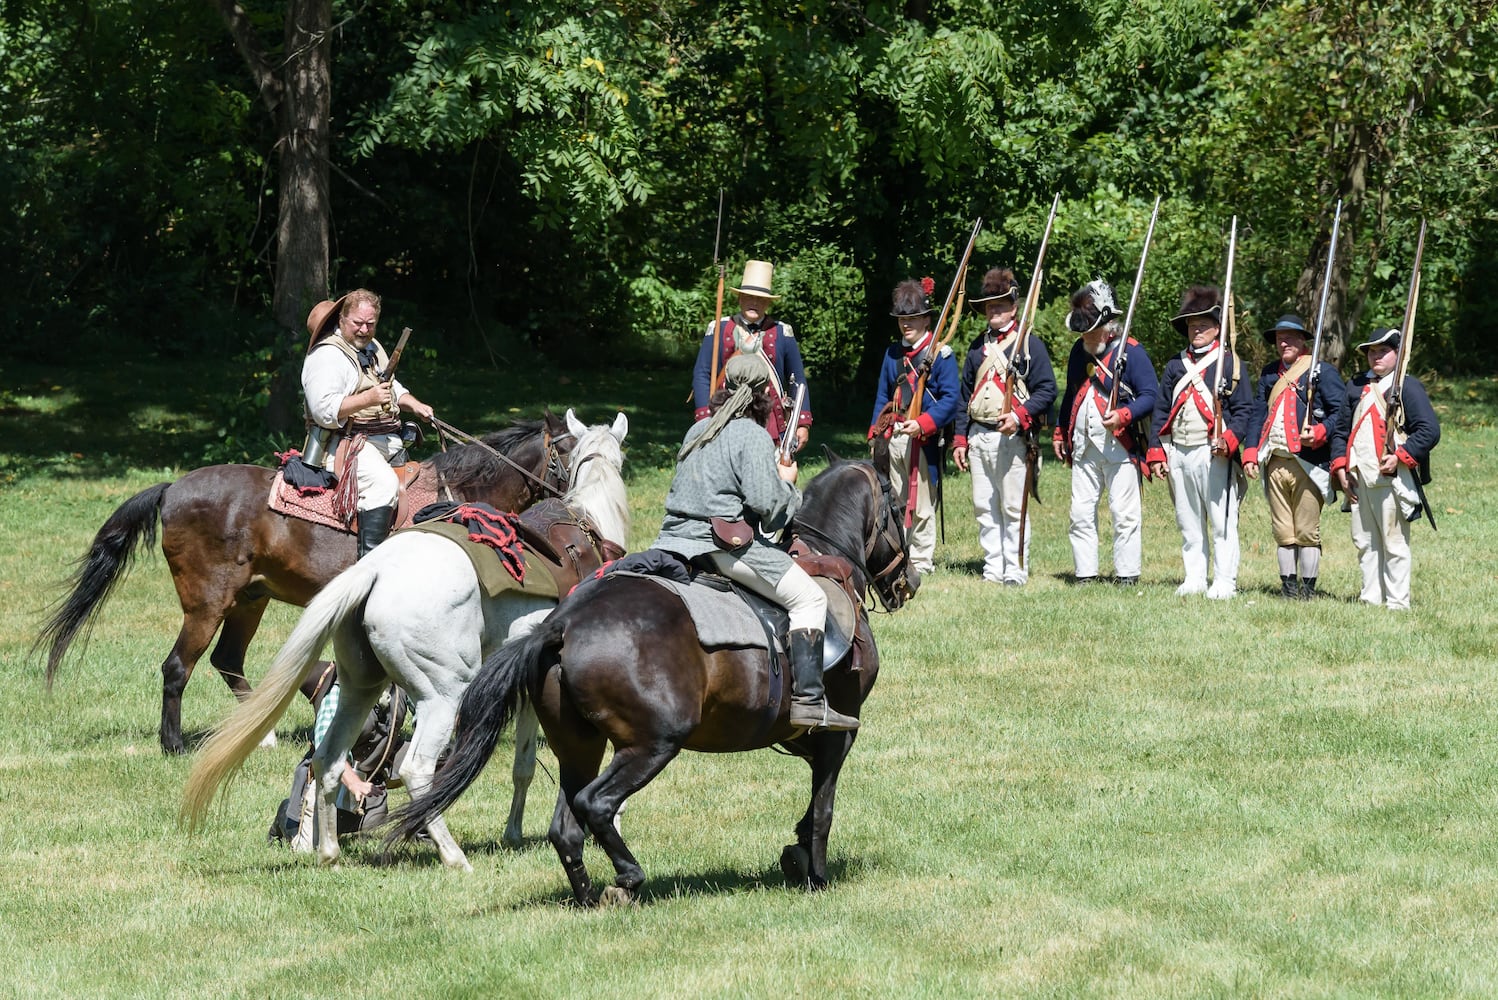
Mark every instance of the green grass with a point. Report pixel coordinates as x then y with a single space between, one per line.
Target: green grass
1059 791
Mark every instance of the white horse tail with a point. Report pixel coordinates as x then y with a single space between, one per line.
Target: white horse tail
488 707
222 755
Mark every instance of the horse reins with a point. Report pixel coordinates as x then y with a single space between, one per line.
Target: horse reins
875 530
553 458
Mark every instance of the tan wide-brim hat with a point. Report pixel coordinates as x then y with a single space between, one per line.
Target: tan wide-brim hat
323 319
757 277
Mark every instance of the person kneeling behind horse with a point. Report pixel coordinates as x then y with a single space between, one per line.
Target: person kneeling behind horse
728 469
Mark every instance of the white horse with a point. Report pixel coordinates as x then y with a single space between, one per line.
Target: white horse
411 612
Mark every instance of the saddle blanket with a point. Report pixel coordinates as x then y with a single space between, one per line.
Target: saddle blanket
494 578
723 619
318 507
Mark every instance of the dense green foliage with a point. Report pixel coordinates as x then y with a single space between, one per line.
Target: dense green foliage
547 172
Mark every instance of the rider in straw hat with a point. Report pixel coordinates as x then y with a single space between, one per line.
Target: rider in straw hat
346 395
750 331
727 469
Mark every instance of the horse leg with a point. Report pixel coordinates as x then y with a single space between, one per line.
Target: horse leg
804 863
355 701
577 765
631 769
522 772
197 631
228 653
434 723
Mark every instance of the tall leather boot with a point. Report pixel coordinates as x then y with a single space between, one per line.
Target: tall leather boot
1289 586
374 526
809 706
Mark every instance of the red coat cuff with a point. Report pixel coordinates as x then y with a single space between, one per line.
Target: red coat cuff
701 413
871 432
1406 458
1251 456
1058 435
1128 416
1318 435
960 441
1340 462
805 419
1154 455
1231 439
928 426
1026 418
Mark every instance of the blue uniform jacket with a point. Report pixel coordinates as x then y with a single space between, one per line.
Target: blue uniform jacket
780 347
1035 371
1237 406
1420 424
939 403
1136 395
1328 411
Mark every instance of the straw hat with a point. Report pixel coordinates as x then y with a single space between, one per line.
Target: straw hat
756 281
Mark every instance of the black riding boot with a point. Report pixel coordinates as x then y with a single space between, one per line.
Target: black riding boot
809 706
1289 586
374 526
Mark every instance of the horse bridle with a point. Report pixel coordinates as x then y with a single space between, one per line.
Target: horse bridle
553 465
885 523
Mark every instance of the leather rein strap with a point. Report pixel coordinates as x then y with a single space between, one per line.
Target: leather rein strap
554 464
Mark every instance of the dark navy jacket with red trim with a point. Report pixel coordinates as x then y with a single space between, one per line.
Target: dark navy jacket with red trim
784 354
1420 424
939 403
1327 414
1237 406
1035 371
1136 396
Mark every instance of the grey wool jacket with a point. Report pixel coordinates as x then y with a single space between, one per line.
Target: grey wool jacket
731 476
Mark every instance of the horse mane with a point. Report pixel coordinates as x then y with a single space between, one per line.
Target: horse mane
830 512
468 465
597 486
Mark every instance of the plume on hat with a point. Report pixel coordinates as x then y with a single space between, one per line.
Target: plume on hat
1091 306
911 298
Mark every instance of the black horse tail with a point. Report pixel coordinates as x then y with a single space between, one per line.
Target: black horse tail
488 707
130 527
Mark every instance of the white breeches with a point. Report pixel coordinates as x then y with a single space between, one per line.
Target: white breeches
1382 537
922 533
1094 470
1206 512
378 486
997 462
796 592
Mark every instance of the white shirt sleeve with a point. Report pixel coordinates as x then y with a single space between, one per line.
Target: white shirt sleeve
327 378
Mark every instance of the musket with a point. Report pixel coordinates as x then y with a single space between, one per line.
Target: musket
712 384
1123 340
388 375
788 436
914 410
1326 288
1022 333
1227 336
1402 367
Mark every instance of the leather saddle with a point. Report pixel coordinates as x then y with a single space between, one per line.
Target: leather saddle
834 575
566 542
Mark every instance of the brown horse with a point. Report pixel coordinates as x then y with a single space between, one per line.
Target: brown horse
619 663
230 554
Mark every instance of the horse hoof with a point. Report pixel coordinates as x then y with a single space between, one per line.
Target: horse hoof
795 865
616 895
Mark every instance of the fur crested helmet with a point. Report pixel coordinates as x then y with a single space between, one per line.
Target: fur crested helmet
998 283
1091 306
912 298
1199 300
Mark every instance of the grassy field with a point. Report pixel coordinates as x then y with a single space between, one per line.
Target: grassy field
1058 791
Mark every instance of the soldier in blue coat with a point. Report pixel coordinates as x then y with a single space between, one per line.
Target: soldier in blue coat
751 332
1383 470
1098 432
916 368
1294 447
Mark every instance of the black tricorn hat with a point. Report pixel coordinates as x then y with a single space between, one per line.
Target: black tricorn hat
998 283
1382 337
911 299
1289 321
1091 306
1199 300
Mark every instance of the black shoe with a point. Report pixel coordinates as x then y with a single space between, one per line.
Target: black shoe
1308 588
1081 581
1289 587
374 527
1126 581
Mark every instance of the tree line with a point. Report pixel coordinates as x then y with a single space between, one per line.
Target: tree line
193 174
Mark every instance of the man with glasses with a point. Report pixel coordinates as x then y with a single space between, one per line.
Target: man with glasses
346 394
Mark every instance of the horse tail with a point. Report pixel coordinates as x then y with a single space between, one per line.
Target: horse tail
223 753
489 705
131 527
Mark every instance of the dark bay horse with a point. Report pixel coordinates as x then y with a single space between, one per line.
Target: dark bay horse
619 663
230 554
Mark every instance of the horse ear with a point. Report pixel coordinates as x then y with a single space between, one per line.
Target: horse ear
881 455
833 458
620 428
576 426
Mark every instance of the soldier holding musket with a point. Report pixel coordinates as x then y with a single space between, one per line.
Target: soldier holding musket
1009 386
1200 421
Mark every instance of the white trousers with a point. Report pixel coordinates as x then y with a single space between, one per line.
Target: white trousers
922 533
1382 537
796 591
997 462
1094 470
1206 512
378 486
